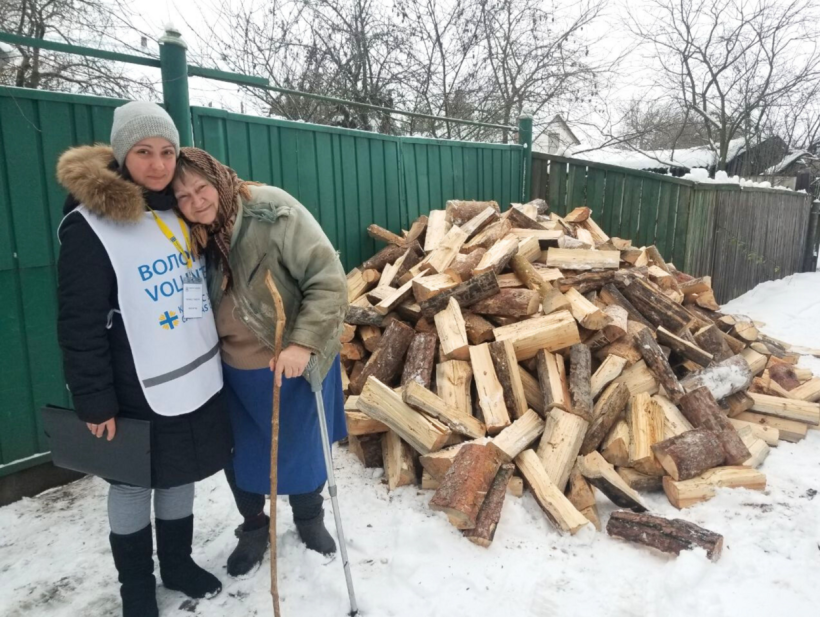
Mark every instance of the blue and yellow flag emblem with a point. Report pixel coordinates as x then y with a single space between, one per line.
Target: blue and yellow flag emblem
168 320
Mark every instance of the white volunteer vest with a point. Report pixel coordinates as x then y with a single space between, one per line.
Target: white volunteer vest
177 359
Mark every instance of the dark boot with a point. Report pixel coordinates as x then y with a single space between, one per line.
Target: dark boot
251 549
315 536
308 515
177 569
133 557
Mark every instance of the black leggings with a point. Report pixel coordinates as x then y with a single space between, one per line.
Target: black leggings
305 506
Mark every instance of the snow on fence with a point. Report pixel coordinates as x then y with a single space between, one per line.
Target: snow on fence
739 235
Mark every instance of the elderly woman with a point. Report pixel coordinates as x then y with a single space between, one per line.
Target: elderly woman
247 230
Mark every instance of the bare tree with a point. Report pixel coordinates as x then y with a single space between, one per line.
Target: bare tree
729 62
102 24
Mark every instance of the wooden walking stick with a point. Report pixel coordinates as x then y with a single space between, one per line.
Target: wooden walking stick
274 446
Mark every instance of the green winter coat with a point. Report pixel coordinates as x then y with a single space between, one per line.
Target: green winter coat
274 232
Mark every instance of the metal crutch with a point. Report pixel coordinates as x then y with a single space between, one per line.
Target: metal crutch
316 386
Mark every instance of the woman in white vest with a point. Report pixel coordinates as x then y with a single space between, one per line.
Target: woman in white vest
132 348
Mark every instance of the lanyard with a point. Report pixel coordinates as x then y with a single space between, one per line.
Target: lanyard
170 235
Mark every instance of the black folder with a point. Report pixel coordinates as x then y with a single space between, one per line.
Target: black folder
126 458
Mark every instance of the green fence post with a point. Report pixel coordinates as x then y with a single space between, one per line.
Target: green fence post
174 68
812 241
525 139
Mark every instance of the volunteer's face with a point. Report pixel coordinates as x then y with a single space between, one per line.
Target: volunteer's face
197 198
151 163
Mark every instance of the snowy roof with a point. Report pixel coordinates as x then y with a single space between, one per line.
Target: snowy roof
688 158
790 158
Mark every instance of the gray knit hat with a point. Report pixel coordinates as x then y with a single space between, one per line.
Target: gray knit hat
140 120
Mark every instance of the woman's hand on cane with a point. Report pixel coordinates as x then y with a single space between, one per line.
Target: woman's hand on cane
292 363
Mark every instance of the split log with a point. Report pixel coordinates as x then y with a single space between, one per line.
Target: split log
687 493
378 294
603 476
509 375
480 221
359 316
579 215
428 482
581 496
690 454
490 512
509 303
387 255
384 235
758 447
659 365
521 221
696 286
591 281
532 391
355 372
529 248
465 485
785 376
519 436
516 486
367 448
441 258
638 378
418 397
383 404
461 268
579 381
490 392
608 410
618 323
438 463
640 482
788 409
452 332
615 448
399 466
358 283
546 238
684 348
466 294
411 258
498 255
489 236
711 340
550 332
348 333
359 423
722 379
790 430
460 212
701 409
598 235
580 259
646 428
586 313
421 355
453 381
560 444
426 287
437 228
675 423
553 301
479 330
769 434
560 512
553 382
668 536
655 306
610 295
352 351
386 362
610 369
809 391
370 336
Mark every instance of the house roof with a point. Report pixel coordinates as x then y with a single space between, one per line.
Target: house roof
790 158
558 119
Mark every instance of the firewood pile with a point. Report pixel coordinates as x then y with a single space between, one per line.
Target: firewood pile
485 351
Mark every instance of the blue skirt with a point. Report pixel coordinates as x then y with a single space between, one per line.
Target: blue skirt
301 463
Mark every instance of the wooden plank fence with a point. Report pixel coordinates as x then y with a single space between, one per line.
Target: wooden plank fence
739 236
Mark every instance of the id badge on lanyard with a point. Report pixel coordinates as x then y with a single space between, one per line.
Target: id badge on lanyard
193 289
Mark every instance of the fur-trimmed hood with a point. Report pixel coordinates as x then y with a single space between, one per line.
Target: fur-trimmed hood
88 174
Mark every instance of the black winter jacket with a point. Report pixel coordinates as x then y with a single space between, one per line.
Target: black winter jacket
97 359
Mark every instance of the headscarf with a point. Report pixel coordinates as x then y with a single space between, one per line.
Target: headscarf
229 187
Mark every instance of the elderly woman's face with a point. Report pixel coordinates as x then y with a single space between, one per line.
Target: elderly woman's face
198 199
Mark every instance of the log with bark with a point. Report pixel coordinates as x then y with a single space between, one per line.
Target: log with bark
421 356
603 476
690 454
509 376
659 365
418 397
668 536
702 410
579 381
490 391
608 410
722 379
560 444
466 294
490 512
387 361
553 382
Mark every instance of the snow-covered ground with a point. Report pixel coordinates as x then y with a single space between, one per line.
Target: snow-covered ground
408 561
